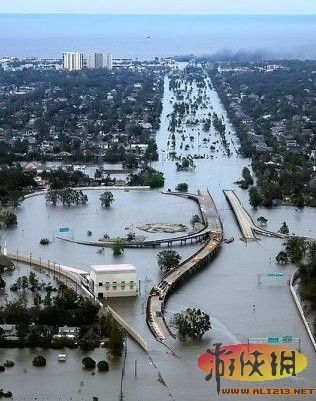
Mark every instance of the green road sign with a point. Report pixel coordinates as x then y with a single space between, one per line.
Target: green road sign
64 229
273 340
275 274
287 339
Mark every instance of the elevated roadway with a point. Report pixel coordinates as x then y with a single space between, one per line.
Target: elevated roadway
175 277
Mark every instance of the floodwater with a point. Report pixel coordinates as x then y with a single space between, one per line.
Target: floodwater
227 289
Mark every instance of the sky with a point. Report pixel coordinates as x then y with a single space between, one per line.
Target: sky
160 6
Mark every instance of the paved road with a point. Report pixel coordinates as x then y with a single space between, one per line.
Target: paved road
248 228
244 220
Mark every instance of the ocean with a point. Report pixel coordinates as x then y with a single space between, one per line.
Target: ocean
146 36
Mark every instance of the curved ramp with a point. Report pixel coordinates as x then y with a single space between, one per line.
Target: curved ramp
175 277
210 220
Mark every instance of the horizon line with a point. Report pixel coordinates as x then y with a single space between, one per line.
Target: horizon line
305 13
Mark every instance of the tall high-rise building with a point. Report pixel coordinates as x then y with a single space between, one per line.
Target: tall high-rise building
95 60
72 61
107 61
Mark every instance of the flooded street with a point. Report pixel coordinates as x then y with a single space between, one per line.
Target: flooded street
227 289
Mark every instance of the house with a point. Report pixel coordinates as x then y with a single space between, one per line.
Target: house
107 281
70 333
9 331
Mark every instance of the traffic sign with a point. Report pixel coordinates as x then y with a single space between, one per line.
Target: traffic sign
273 340
287 339
64 229
275 274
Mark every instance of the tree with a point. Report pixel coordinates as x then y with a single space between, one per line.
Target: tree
195 219
66 197
52 196
262 221
5 263
115 343
284 229
33 281
296 248
147 176
182 187
255 198
2 334
37 299
2 282
192 323
98 174
106 198
168 260
248 180
103 366
117 248
88 363
8 219
282 258
131 236
39 361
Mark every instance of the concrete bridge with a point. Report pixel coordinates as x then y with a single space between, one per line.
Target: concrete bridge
174 278
203 201
247 227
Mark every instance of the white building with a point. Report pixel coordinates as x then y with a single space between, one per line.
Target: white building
72 61
95 60
113 281
107 61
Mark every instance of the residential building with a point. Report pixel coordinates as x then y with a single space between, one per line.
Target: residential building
72 61
109 281
95 60
108 61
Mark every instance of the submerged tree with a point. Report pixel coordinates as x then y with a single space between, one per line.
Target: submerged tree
88 363
66 197
8 219
117 248
255 198
262 221
284 229
182 187
296 248
282 258
168 260
192 323
106 198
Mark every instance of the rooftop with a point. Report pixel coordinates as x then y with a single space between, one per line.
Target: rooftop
113 268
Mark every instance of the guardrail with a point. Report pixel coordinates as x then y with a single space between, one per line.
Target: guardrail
301 312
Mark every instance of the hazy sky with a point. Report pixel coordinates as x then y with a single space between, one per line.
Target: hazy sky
160 6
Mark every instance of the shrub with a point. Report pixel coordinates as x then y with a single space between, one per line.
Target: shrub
2 368
88 363
196 219
103 366
182 187
8 364
39 361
